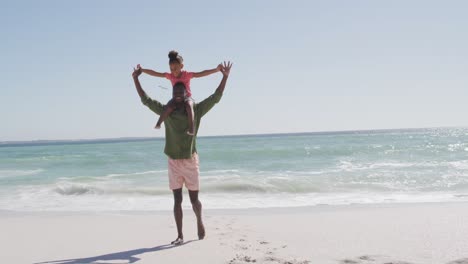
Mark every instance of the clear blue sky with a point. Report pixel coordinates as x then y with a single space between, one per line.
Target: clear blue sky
299 66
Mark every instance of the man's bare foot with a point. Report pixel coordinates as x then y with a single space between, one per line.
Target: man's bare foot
201 231
157 126
178 241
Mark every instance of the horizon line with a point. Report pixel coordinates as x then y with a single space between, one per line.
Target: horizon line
123 139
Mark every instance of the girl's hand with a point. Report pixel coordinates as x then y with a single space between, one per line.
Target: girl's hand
219 67
226 68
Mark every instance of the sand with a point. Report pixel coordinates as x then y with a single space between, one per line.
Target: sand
352 234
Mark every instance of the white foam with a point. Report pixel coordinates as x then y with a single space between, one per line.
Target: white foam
456 147
32 199
461 164
75 189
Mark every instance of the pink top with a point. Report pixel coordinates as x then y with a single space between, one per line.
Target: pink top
184 78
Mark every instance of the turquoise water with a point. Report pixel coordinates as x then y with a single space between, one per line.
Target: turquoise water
393 166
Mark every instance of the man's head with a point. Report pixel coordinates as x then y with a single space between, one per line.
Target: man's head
178 92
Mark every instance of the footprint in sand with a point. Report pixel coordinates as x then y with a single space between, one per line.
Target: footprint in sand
283 261
240 259
365 259
349 261
459 261
368 258
242 247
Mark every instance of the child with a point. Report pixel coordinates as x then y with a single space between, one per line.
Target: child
176 76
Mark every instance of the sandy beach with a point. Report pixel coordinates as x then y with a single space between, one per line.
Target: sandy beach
385 233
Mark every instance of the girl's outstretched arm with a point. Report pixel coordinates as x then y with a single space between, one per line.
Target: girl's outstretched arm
207 72
152 73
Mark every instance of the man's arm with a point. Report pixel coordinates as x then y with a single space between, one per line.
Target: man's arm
204 106
136 73
154 105
225 70
207 72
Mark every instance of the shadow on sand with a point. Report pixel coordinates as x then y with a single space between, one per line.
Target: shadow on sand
128 256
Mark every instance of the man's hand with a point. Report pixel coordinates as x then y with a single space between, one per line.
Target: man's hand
136 71
219 67
226 68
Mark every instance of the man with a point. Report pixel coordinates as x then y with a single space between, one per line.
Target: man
183 166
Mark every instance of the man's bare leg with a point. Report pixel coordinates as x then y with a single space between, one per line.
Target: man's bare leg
178 215
197 208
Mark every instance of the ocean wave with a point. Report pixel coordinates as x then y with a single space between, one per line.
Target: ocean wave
380 177
83 189
47 158
460 164
111 176
211 185
350 166
222 171
275 184
456 147
17 173
76 189
118 175
235 187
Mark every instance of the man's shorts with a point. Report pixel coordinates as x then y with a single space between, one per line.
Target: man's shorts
184 171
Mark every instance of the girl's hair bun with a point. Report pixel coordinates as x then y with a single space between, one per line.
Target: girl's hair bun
173 55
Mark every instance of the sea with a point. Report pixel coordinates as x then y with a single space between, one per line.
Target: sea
249 171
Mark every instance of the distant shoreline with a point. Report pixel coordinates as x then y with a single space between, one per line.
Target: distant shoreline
136 139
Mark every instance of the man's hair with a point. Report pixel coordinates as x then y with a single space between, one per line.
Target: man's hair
179 85
175 57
